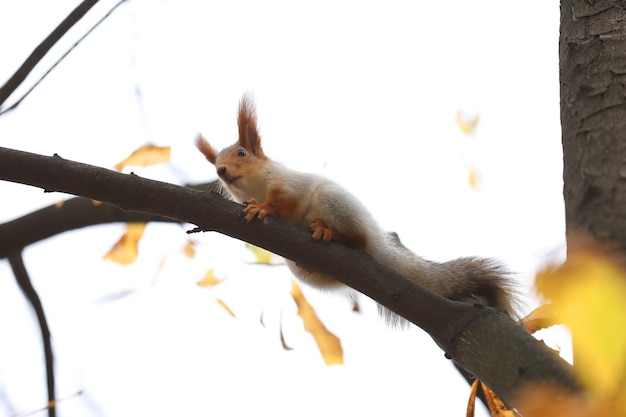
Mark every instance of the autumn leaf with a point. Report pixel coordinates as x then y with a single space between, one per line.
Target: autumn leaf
59 203
146 155
209 279
328 344
473 178
496 406
589 292
541 318
125 250
467 123
261 255
189 249
225 307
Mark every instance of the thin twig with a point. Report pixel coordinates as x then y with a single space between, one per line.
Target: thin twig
43 49
23 280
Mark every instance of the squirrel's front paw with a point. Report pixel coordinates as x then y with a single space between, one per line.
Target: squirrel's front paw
321 231
253 208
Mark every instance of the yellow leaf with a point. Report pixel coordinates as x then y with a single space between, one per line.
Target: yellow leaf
189 249
146 155
328 344
225 307
59 204
467 123
473 178
209 279
589 292
125 250
261 255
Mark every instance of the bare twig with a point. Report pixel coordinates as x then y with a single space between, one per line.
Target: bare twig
23 280
20 75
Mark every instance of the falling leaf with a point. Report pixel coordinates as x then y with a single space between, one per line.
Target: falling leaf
209 279
125 250
261 255
146 155
96 203
473 178
225 307
59 204
589 292
190 249
467 123
328 344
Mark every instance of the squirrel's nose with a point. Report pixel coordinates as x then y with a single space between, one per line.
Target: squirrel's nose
221 170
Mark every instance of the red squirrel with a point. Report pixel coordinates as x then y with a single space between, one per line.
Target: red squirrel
268 188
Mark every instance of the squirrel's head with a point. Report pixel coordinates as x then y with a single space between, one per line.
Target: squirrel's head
238 165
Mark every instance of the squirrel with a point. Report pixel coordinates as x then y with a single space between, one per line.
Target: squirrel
330 212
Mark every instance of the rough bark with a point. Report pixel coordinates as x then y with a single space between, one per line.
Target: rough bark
592 54
483 341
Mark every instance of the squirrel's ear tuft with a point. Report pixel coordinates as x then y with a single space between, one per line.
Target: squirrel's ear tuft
249 137
209 152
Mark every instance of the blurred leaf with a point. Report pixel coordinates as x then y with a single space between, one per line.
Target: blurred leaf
473 178
225 307
96 203
190 249
589 292
549 401
125 250
59 203
328 344
261 255
209 279
146 155
541 318
467 123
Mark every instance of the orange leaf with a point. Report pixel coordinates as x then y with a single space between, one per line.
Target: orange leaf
125 250
496 405
541 318
59 204
146 155
190 249
209 279
225 307
328 344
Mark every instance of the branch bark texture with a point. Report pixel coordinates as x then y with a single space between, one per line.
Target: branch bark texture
481 340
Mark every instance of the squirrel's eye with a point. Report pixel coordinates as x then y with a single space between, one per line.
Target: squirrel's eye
241 152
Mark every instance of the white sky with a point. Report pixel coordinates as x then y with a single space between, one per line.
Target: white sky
363 92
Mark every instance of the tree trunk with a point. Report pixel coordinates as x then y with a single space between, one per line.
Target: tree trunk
592 52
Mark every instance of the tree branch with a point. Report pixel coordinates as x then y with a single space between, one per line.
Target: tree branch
27 66
25 284
485 342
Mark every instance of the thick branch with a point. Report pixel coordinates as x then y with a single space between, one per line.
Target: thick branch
481 340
